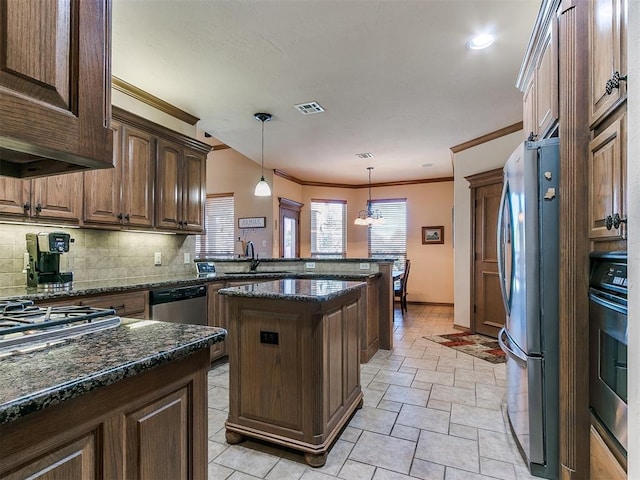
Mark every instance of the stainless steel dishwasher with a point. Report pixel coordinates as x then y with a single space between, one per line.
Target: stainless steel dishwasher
179 304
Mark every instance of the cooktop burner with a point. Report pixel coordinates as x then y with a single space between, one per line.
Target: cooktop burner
23 324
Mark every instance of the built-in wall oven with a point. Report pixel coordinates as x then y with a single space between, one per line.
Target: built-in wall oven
608 343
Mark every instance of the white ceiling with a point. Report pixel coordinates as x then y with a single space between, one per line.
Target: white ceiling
394 76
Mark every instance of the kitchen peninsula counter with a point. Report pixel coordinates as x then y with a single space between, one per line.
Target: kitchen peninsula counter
123 386
294 362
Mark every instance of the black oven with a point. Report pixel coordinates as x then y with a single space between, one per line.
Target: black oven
608 342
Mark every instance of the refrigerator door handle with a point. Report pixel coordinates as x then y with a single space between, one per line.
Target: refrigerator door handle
501 278
517 356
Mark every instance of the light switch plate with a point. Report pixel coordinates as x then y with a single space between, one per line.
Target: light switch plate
187 257
310 265
157 258
365 266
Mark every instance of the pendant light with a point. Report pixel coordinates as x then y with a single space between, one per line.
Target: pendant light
262 188
369 216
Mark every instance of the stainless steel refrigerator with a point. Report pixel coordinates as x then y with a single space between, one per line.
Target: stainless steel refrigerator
528 268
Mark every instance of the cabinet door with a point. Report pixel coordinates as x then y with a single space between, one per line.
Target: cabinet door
193 190
546 84
157 439
53 83
14 196
137 177
530 125
607 54
168 190
216 317
58 197
76 459
102 188
606 181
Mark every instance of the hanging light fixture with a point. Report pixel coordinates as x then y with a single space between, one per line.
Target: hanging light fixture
262 188
369 216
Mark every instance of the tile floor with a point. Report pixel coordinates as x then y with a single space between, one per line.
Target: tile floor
429 413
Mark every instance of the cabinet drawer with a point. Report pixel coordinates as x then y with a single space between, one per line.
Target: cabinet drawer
127 304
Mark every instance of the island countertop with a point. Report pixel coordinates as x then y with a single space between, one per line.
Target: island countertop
295 289
51 375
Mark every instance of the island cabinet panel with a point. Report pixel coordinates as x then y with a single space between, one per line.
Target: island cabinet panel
294 370
55 96
216 317
146 427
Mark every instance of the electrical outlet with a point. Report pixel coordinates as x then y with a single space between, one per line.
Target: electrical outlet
364 266
264 243
187 257
157 258
310 265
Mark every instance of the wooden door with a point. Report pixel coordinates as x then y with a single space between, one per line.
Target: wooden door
58 197
607 55
487 308
14 196
168 189
137 176
193 190
103 188
289 228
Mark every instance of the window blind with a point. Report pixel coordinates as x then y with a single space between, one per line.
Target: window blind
328 228
219 227
389 240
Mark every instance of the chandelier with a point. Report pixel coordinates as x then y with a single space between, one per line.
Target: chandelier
369 216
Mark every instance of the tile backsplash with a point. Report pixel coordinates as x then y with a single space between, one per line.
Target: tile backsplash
99 254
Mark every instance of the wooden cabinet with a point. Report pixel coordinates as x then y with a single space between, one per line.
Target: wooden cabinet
47 198
132 305
607 181
149 426
607 56
55 89
216 317
603 464
123 195
180 188
538 81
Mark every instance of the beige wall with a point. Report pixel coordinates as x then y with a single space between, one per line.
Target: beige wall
481 158
427 204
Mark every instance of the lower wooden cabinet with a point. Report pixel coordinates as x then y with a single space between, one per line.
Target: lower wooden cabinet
216 317
147 427
603 464
130 304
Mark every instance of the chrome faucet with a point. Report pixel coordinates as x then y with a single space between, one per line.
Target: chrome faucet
254 258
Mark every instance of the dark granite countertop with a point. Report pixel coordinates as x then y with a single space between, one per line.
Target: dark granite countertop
297 289
41 378
105 287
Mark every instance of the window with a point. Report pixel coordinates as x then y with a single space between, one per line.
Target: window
218 239
389 240
328 228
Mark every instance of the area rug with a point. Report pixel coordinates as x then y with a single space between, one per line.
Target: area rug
486 348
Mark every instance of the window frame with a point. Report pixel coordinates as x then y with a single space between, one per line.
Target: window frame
203 243
400 256
336 254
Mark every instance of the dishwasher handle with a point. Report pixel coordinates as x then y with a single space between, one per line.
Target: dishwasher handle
167 295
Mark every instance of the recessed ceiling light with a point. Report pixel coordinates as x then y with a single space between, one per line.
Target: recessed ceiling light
427 165
481 41
308 108
364 155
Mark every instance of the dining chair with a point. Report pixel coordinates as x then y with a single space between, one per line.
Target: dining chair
401 290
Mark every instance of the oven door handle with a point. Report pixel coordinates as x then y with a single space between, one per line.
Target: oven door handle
504 345
601 300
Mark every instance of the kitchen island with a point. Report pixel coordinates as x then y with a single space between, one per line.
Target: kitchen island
125 402
294 368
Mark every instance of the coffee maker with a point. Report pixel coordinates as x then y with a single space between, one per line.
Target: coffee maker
43 271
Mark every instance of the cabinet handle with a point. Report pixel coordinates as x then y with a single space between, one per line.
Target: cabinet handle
617 220
117 307
38 208
532 137
608 222
120 216
614 82
126 217
26 207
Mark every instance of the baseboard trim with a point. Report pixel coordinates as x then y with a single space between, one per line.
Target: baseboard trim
435 304
460 327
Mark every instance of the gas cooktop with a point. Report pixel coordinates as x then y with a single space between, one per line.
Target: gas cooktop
25 326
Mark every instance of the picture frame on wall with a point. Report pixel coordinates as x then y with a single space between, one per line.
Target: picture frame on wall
252 222
433 235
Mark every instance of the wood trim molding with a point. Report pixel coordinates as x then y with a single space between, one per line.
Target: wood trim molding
220 146
487 138
286 176
290 204
153 101
485 178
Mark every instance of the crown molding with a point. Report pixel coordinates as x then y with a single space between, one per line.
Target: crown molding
308 183
152 100
487 138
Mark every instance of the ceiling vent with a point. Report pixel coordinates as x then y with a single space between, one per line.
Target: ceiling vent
364 155
309 107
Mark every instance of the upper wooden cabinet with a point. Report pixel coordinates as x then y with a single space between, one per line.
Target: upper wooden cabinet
50 198
607 57
55 86
180 188
123 195
538 78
